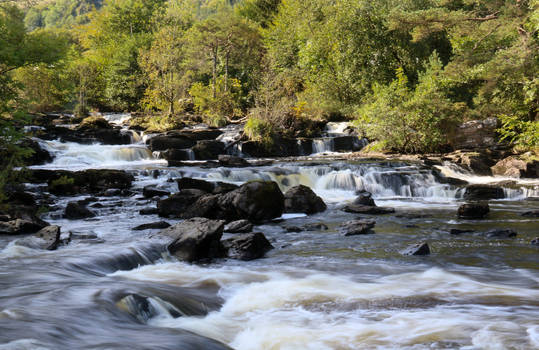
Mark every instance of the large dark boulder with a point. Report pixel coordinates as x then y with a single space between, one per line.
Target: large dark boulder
301 199
166 142
473 211
208 149
357 227
195 239
256 201
185 183
248 246
77 210
483 192
175 205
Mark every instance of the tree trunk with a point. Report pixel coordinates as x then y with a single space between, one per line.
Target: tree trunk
226 72
214 72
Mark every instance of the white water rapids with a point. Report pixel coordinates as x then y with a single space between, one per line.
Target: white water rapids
316 290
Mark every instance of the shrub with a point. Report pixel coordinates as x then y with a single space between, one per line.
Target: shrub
524 135
411 120
260 130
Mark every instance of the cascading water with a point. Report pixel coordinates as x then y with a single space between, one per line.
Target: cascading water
76 156
316 290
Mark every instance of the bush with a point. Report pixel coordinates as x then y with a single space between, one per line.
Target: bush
411 120
261 131
524 135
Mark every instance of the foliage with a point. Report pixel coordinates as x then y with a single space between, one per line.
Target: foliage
523 134
411 120
261 131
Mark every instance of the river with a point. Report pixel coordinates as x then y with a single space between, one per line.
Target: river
118 289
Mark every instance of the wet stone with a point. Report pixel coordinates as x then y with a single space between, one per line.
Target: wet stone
152 225
357 227
418 249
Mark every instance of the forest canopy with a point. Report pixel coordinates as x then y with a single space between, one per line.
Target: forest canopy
406 71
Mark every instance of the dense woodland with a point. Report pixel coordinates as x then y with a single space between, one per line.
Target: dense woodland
406 71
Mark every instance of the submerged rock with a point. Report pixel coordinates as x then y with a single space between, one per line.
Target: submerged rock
76 211
239 226
418 249
248 246
473 211
149 211
152 225
456 231
357 227
531 214
317 226
301 199
195 239
500 233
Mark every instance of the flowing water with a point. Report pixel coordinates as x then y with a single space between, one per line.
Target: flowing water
115 288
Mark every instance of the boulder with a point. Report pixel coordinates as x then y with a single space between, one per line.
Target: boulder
166 142
367 209
347 144
476 134
232 161
20 226
39 155
256 201
195 239
178 154
93 123
208 149
47 238
357 227
515 167
76 211
483 192
500 233
151 191
196 134
473 211
152 225
364 198
248 246
178 203
206 186
418 249
239 226
476 162
535 241
301 199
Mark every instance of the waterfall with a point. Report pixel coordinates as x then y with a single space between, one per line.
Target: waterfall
323 145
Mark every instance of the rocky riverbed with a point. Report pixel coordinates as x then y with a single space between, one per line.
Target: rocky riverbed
121 239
